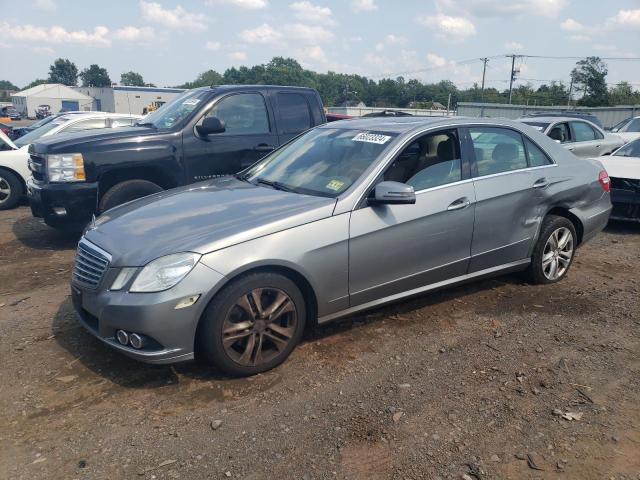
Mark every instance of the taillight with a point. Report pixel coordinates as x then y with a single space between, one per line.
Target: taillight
604 180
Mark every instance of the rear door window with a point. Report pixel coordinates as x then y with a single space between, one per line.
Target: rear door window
293 113
497 150
537 158
583 132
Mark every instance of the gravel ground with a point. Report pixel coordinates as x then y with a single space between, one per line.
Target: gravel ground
495 379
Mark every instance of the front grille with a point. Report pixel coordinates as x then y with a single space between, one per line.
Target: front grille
90 267
38 167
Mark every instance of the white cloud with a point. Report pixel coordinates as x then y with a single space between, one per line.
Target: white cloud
178 18
502 8
213 45
264 34
43 50
452 29
626 18
436 60
579 38
363 5
56 34
308 33
240 56
392 39
513 46
246 4
314 54
46 5
308 12
570 25
134 34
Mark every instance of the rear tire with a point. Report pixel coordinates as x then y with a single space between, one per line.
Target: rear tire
238 334
11 190
554 251
125 192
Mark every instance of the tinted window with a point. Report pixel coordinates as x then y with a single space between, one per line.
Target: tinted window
631 149
294 113
90 124
497 150
634 126
583 132
430 161
560 132
537 157
243 114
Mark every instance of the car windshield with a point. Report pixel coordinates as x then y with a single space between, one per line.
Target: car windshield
323 162
41 122
171 114
621 125
542 126
631 149
34 135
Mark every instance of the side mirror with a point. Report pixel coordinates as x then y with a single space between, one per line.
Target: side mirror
393 193
210 125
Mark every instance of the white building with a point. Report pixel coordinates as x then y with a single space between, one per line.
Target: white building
123 99
55 95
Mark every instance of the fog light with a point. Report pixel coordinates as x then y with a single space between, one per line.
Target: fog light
122 337
136 341
60 211
186 302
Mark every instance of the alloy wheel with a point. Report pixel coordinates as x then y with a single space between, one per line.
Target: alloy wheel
557 254
259 326
5 190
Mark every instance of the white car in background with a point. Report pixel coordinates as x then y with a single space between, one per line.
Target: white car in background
583 138
14 155
628 129
623 167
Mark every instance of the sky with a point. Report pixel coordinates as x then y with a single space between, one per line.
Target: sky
171 41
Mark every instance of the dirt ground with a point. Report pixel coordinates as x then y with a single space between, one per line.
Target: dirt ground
495 379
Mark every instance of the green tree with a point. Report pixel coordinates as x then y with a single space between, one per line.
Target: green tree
7 85
623 94
63 71
205 79
95 76
37 81
132 79
590 77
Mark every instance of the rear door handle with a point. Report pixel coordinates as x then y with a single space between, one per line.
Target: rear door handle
459 204
541 183
263 147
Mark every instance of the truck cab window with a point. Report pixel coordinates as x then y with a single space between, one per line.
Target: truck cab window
243 114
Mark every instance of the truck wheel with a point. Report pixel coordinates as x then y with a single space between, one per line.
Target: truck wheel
10 190
125 192
252 324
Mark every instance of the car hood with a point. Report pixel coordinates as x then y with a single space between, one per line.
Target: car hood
201 218
628 136
621 167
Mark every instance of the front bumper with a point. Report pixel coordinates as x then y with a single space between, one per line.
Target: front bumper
79 201
625 196
169 333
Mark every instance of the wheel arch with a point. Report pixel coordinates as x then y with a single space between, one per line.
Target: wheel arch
148 173
566 213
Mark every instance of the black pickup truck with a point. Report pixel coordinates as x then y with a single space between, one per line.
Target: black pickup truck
202 133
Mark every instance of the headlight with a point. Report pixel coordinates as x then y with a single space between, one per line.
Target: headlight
164 272
67 167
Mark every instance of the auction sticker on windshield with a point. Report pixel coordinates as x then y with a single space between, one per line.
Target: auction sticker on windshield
371 138
335 185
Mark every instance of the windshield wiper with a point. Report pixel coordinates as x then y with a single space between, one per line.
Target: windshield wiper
274 185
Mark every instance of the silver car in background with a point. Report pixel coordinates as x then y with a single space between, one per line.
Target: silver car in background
348 216
583 138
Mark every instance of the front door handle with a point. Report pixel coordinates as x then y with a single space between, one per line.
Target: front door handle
263 147
459 204
541 183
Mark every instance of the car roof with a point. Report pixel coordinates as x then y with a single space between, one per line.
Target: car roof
231 88
409 124
553 119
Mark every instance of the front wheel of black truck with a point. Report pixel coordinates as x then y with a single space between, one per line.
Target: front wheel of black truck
125 192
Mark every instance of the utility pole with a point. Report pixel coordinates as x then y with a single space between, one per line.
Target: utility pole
513 74
484 71
570 91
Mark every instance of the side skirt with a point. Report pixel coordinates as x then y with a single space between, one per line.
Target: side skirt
488 272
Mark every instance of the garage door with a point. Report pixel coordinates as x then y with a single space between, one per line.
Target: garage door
70 105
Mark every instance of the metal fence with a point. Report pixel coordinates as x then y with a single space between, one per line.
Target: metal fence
360 111
609 116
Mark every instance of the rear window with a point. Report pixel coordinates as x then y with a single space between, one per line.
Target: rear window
294 113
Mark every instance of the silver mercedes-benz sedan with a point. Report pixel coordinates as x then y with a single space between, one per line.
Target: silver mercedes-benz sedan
348 216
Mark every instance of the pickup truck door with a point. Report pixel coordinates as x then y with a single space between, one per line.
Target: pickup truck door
293 114
249 135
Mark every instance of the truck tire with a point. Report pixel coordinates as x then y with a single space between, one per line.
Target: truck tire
11 190
125 192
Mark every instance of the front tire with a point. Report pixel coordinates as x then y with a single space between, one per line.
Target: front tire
11 190
125 192
252 324
554 251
